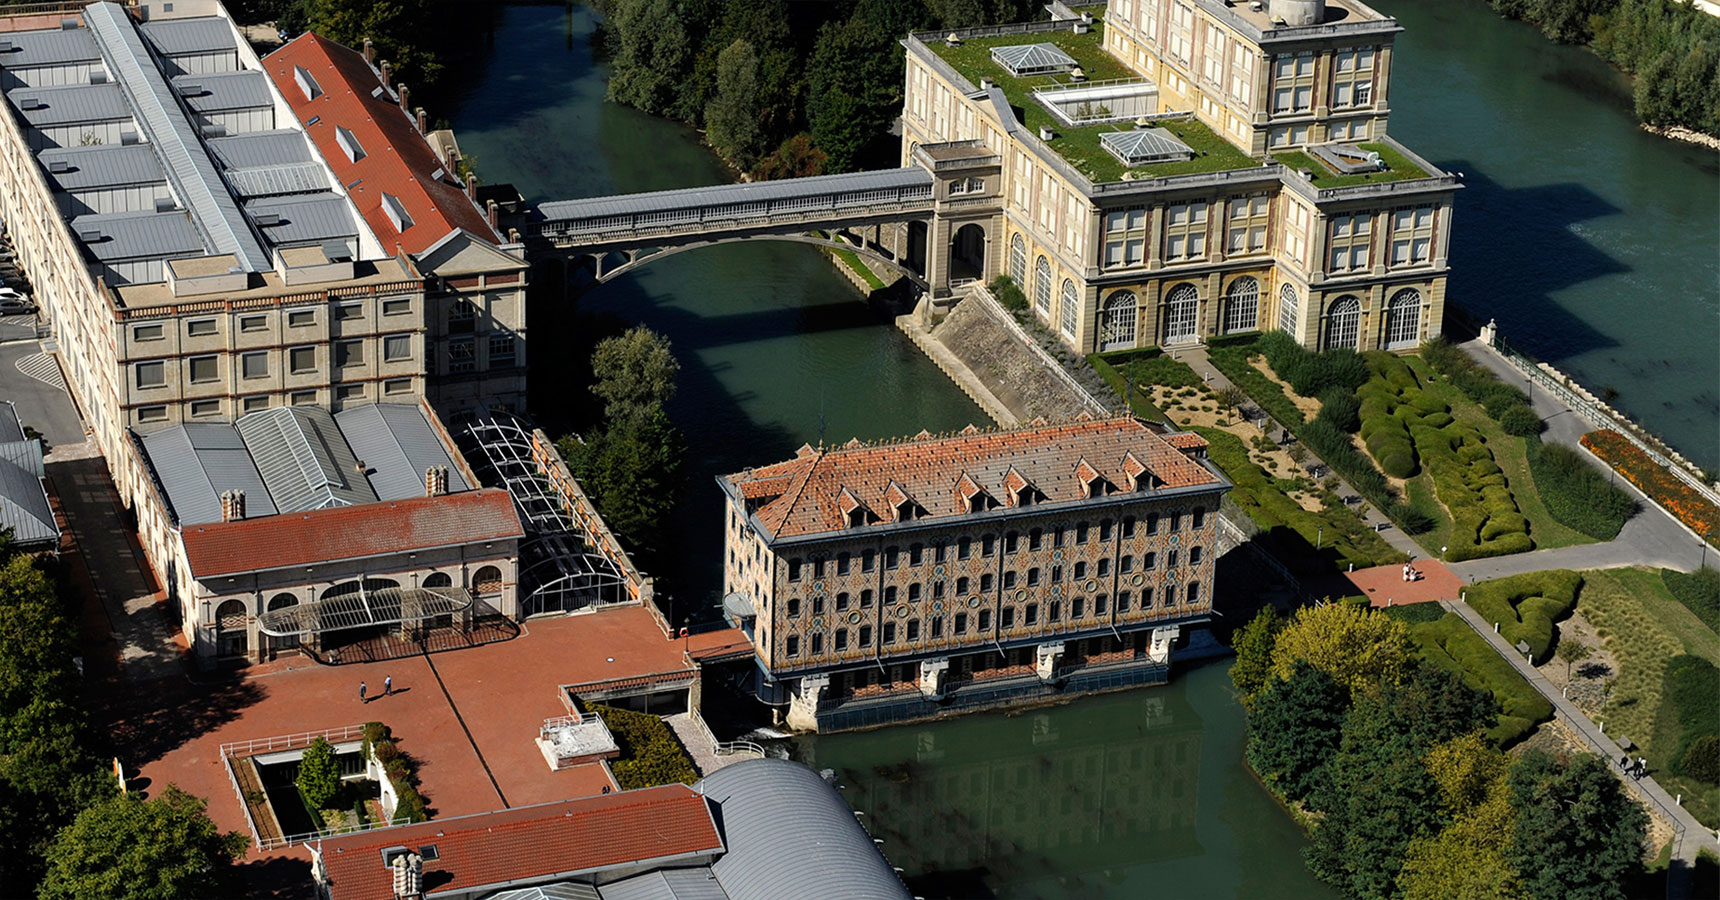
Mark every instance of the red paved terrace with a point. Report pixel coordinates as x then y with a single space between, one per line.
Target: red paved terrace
1384 585
331 87
663 824
928 475
499 694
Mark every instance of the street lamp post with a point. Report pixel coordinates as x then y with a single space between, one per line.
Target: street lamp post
1320 537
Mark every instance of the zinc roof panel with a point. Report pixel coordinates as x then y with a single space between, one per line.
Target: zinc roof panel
24 504
269 181
697 883
397 444
103 166
202 34
196 463
303 459
306 219
279 147
58 47
730 194
72 104
225 91
10 428
145 235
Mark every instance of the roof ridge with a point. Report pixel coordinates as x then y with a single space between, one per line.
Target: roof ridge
806 476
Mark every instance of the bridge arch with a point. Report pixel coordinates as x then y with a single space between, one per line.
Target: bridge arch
642 258
968 247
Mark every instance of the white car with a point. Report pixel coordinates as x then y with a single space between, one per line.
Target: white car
7 293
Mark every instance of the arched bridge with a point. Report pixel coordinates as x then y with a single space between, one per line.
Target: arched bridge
947 201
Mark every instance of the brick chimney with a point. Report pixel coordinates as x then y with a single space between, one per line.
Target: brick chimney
471 184
369 52
493 213
423 121
232 506
435 481
405 97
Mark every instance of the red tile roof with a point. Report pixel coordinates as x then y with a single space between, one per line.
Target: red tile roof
397 161
349 532
530 842
804 495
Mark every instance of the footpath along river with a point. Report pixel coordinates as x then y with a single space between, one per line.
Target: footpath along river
1592 243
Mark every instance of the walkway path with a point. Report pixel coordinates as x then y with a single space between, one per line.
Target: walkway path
1196 359
1690 835
700 745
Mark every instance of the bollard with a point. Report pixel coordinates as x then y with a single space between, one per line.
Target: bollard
1680 801
1495 627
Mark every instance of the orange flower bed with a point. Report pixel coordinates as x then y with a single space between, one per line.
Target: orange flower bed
1678 498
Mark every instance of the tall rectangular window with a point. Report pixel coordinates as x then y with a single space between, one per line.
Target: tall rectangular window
1349 242
1247 227
1293 83
1125 237
1185 231
1353 78
1212 56
1182 32
1412 235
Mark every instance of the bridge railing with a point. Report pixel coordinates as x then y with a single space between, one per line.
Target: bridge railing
700 218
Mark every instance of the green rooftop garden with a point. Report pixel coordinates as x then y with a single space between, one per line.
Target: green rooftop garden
1398 167
1080 146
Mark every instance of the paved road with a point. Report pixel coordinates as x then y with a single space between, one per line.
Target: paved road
32 380
1691 835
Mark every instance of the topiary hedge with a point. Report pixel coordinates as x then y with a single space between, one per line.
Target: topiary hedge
1451 644
1309 373
1692 700
1576 493
1527 605
1699 591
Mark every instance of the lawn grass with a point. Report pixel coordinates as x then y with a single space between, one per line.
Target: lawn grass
852 261
1139 403
1080 146
1398 167
1644 626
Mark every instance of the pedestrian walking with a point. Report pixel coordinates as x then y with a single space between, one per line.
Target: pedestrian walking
1624 764
361 690
1641 766
387 685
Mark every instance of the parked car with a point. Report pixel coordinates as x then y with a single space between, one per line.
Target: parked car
16 306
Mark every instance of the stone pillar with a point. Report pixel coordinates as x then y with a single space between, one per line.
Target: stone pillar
1160 651
932 677
1046 659
803 700
938 256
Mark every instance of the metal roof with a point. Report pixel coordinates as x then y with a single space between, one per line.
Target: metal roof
24 504
697 883
262 148
1145 145
107 165
363 609
304 220
1022 59
225 91
58 47
560 890
397 444
142 235
303 459
189 166
197 463
10 428
269 181
73 104
734 194
789 836
179 37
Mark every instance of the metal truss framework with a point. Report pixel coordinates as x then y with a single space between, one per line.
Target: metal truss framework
363 608
558 569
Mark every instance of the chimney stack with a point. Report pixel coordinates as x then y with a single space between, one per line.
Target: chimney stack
423 121
232 506
386 70
405 104
435 481
471 184
493 213
369 52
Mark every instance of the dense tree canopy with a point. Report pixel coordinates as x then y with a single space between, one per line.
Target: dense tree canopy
1577 832
1296 729
129 848
1253 645
634 372
1358 647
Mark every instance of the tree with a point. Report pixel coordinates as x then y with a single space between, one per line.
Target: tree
634 372
853 91
1230 398
1466 768
1466 861
632 471
1572 652
399 29
129 848
651 53
37 638
1294 729
795 158
1356 646
1577 834
319 774
1253 645
731 118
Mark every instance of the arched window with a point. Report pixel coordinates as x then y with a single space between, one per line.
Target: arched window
1071 307
487 581
1343 323
1182 314
1018 260
1403 319
1117 321
1242 306
1042 286
1287 308
282 601
231 637
438 580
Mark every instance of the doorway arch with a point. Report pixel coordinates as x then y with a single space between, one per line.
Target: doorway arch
967 252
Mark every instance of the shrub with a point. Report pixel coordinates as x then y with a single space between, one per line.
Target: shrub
1341 409
1008 293
1412 519
1702 760
1679 499
650 754
1451 644
1699 591
319 774
1577 494
1520 420
1527 605
1692 702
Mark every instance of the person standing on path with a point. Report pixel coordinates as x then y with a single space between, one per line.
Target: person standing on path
361 690
387 685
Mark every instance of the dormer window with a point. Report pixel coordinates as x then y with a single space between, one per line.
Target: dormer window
1020 490
1092 483
901 505
308 84
853 511
348 143
396 212
970 497
1140 477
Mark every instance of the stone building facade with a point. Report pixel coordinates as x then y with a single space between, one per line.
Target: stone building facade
1278 201
892 581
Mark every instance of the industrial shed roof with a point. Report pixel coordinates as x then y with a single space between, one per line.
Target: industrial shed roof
197 463
281 146
397 444
304 220
24 504
102 166
304 459
181 37
225 91
269 181
47 48
48 107
142 235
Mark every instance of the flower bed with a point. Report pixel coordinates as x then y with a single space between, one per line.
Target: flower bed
1664 488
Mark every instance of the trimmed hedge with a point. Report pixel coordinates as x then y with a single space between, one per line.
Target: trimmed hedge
1699 591
1527 605
1477 382
1576 493
1451 644
1341 409
1139 403
397 767
650 754
1692 700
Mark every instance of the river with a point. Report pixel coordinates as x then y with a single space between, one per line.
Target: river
1592 243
